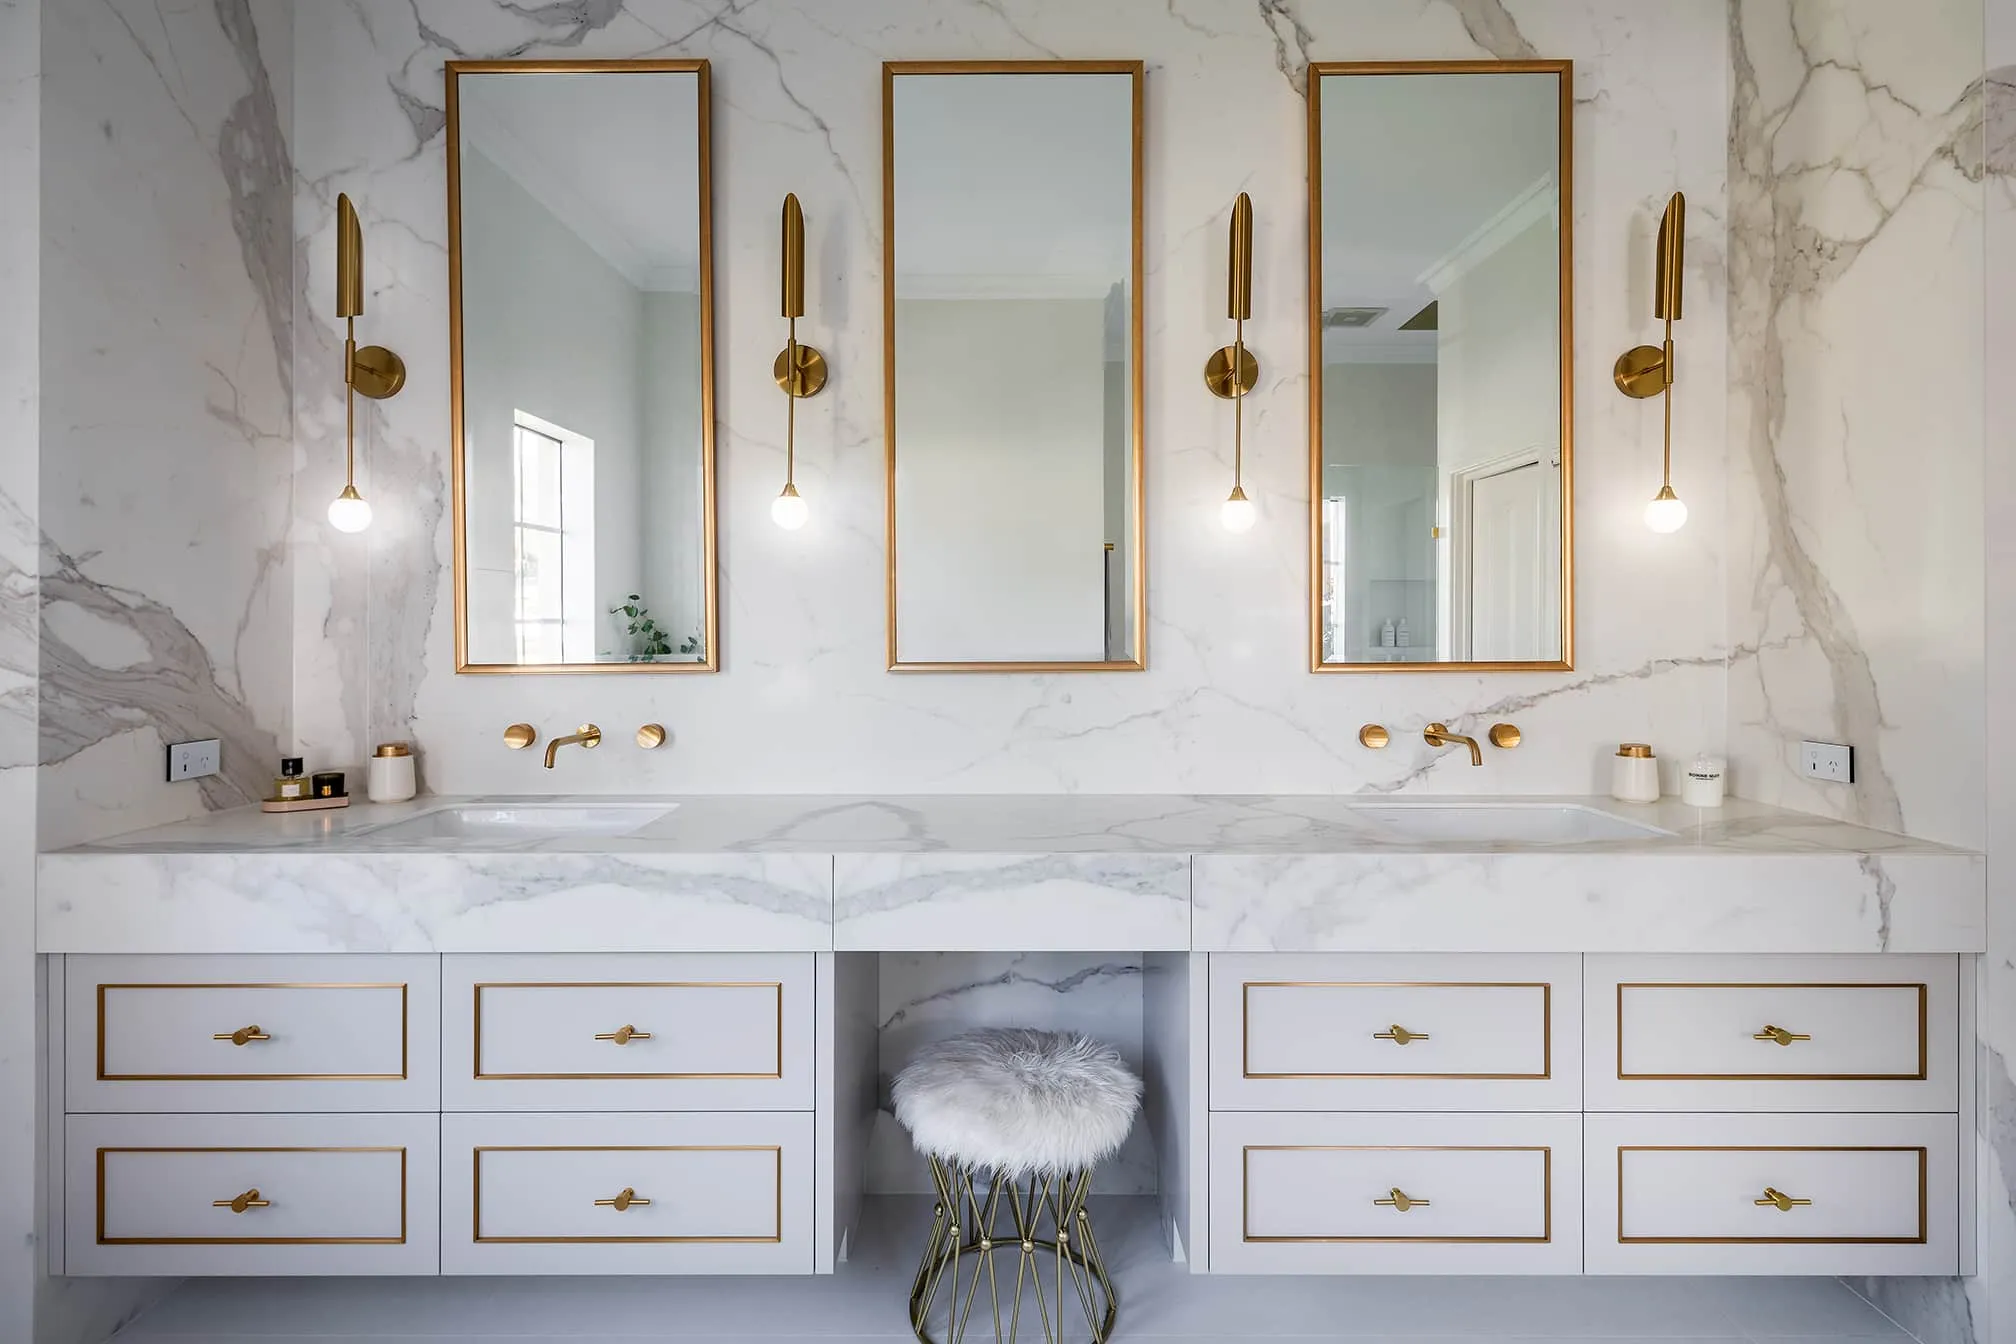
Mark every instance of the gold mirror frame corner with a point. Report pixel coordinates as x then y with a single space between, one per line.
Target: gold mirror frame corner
1137 74
1564 72
710 527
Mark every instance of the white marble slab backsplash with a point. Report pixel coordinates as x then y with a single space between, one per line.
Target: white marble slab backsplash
804 703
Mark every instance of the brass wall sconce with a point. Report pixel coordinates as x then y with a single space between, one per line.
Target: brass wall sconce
1648 370
374 371
1232 371
800 370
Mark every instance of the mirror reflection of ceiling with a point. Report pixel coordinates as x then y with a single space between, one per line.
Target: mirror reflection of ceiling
614 157
1013 185
1415 167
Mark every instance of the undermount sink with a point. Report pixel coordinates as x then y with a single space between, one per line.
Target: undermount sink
1502 823
526 821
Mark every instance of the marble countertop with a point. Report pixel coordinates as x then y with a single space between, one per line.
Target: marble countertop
1142 873
1013 824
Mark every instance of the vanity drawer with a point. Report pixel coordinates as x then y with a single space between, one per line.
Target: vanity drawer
1344 1032
252 1033
1309 1193
710 1193
337 1194
1697 1194
616 1032
1876 1033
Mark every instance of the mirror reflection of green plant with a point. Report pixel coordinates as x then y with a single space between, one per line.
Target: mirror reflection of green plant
648 638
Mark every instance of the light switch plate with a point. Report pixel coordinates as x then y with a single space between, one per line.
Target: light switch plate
193 760
1827 760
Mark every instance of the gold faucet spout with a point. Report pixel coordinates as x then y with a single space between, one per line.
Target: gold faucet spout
1436 735
588 737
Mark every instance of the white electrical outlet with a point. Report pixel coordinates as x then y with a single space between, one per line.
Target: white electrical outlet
193 760
1828 761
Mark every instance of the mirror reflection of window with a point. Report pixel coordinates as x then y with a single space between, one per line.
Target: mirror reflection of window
584 475
1440 403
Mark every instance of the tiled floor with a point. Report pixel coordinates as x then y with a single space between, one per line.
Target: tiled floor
1159 1302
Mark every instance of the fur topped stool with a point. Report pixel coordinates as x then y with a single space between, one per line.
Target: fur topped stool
1013 1121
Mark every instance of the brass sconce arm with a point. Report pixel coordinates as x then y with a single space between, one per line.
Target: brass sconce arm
1650 370
1232 371
800 369
374 371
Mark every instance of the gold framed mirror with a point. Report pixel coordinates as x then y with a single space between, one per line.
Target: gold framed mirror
1441 410
581 352
1012 365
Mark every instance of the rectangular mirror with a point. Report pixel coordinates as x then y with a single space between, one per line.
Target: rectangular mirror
581 332
1012 354
1441 420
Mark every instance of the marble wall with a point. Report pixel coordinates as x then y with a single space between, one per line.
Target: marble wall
167 406
804 703
1855 562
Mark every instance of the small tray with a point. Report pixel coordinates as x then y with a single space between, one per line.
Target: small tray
302 804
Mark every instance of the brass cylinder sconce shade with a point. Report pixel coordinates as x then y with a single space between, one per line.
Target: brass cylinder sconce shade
349 260
799 369
1650 370
1239 265
1232 371
374 371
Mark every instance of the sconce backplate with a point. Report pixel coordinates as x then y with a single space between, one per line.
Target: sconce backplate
811 373
1641 371
1218 372
378 373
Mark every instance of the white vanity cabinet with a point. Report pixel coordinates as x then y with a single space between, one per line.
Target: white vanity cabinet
1486 1114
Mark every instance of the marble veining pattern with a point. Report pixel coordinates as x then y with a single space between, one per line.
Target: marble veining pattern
167 410
803 702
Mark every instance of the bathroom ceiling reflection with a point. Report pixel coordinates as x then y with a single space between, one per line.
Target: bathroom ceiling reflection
1440 455
580 258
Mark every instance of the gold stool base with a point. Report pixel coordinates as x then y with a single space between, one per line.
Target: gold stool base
981 1215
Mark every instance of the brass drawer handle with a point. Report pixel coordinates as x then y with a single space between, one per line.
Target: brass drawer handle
1780 1035
1780 1201
1399 1035
1400 1201
623 1035
241 1037
239 1203
624 1201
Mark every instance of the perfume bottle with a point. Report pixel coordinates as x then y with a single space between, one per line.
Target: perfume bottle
290 786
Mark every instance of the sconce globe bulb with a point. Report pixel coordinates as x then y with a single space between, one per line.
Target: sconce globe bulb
349 511
788 510
1238 513
1666 513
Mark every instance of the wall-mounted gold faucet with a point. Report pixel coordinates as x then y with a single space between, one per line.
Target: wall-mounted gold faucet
1435 734
588 737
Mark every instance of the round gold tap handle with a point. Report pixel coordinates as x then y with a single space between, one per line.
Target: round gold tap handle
623 1035
1780 1035
624 1201
239 1203
243 1035
1779 1200
520 735
1399 1035
1400 1201
651 736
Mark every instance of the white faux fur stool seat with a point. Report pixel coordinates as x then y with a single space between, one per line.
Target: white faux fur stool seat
998 1108
1018 1101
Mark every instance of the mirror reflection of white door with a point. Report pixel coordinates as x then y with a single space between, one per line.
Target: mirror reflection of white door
1507 525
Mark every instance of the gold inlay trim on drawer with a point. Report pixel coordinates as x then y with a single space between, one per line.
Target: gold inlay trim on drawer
476 1046
399 1240
1924 1177
1546 1183
1924 1034
777 1185
405 1038
1546 1024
